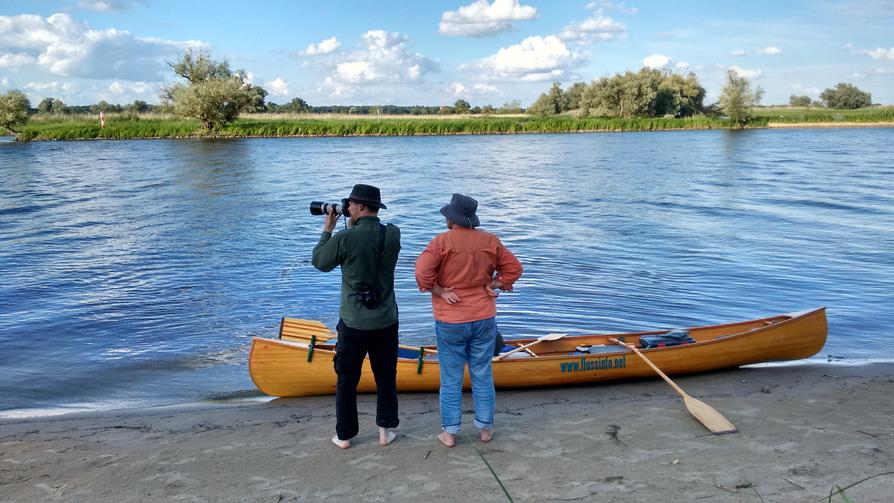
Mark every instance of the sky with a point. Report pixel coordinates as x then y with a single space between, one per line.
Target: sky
415 52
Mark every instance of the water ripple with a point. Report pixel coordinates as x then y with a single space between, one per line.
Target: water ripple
138 271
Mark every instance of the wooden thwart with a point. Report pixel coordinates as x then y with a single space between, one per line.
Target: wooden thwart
706 414
297 329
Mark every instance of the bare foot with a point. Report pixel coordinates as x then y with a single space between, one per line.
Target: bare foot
386 436
448 439
486 435
341 444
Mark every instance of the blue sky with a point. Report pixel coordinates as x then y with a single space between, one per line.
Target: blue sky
431 53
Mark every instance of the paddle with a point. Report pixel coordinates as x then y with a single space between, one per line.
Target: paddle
709 417
544 338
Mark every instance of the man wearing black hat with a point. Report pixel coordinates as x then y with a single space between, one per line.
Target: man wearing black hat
461 268
367 253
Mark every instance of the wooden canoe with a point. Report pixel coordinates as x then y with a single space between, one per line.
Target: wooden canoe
282 367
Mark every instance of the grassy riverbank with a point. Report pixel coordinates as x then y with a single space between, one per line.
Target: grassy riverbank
267 125
816 114
128 125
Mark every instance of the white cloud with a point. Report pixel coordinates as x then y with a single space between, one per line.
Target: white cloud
459 90
811 91
277 87
109 5
120 88
534 59
880 53
324 47
594 29
11 60
656 61
481 18
739 52
770 50
606 5
747 73
682 66
66 47
877 53
37 91
116 88
385 58
4 82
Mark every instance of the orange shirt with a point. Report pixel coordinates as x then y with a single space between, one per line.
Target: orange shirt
465 259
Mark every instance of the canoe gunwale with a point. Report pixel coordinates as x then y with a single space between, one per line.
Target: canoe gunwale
790 318
280 367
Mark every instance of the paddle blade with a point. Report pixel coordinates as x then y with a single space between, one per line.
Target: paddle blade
551 337
709 417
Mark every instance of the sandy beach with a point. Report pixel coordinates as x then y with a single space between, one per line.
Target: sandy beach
802 430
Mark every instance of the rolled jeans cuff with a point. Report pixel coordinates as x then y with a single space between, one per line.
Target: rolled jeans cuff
452 429
484 426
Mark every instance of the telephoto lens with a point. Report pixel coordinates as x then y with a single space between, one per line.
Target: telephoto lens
321 208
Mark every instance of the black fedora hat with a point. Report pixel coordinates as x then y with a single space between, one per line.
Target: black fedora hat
461 211
367 194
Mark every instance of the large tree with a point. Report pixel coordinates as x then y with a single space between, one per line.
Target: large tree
14 108
737 98
646 93
799 101
846 96
51 105
462 107
214 94
552 103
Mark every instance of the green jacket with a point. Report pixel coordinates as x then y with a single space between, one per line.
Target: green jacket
356 250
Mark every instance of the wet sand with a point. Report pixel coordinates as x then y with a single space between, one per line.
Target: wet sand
802 430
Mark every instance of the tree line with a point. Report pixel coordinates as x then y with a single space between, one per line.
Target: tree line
661 93
215 94
843 95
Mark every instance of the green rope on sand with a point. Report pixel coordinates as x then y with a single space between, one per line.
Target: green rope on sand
472 443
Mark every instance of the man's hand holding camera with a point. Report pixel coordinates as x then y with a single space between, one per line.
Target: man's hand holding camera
329 220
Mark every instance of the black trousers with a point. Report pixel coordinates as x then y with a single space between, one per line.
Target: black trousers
350 352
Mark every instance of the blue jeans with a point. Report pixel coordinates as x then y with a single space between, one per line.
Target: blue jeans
458 344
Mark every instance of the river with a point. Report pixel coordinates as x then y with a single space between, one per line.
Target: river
136 272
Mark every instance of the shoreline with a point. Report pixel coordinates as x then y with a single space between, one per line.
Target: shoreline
802 430
825 125
769 125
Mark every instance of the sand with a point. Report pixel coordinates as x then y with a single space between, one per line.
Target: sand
803 429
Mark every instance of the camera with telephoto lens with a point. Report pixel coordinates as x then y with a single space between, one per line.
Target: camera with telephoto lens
321 208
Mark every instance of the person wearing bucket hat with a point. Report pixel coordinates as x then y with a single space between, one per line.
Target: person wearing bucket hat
462 268
367 254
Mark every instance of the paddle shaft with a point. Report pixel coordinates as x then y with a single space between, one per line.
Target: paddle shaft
649 362
516 350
